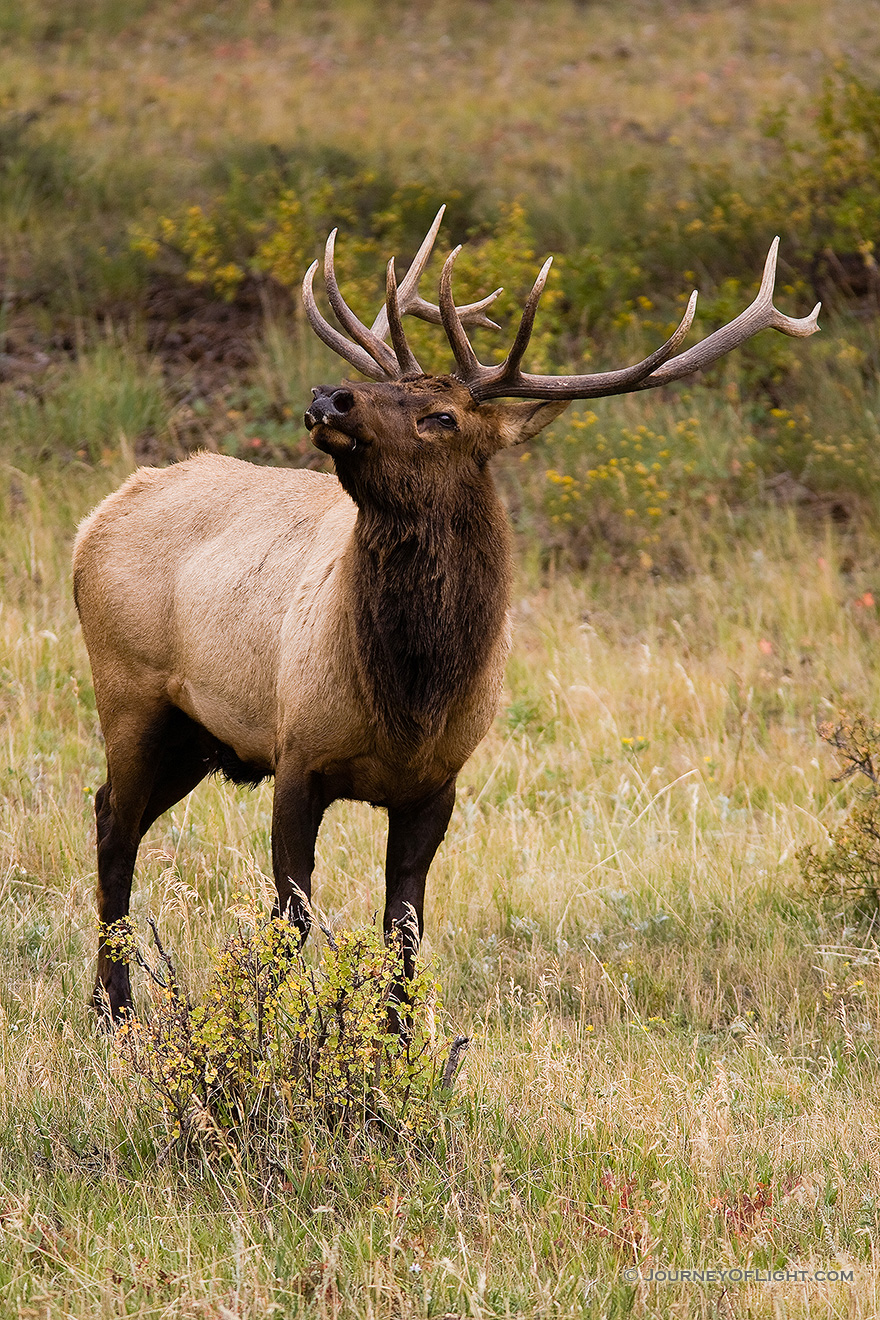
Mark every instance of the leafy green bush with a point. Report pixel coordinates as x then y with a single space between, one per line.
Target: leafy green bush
271 218
278 1050
820 189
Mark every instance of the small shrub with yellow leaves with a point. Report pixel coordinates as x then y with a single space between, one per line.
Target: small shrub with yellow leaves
270 225
279 1052
205 244
849 867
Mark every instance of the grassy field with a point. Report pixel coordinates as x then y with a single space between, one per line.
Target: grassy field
674 1059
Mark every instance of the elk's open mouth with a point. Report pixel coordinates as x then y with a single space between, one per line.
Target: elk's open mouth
334 440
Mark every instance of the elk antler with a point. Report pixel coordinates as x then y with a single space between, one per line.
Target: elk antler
410 301
374 358
660 368
369 352
759 315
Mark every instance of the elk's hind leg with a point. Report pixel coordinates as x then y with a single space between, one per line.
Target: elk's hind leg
154 758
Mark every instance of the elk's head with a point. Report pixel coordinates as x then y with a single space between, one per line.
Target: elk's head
401 440
401 436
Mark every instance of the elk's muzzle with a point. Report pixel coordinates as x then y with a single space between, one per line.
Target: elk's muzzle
328 405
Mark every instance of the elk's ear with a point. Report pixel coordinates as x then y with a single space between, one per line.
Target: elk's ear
513 422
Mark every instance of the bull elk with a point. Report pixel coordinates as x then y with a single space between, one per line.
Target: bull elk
346 634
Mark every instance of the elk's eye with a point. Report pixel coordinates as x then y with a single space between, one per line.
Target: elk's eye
444 419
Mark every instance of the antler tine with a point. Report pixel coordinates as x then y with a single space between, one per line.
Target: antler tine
377 349
409 299
410 281
350 352
759 315
404 353
407 291
469 366
510 366
471 313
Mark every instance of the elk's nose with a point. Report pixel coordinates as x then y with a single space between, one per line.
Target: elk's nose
327 404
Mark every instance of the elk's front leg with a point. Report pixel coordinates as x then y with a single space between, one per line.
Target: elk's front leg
414 835
297 809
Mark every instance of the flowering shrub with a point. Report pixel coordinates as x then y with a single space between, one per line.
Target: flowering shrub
274 224
203 243
617 487
277 1049
849 866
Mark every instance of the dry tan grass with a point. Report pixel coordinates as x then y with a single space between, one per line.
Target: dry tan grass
448 70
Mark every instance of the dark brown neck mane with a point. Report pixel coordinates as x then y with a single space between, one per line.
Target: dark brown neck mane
431 590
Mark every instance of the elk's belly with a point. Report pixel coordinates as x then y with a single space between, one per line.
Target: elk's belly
249 731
